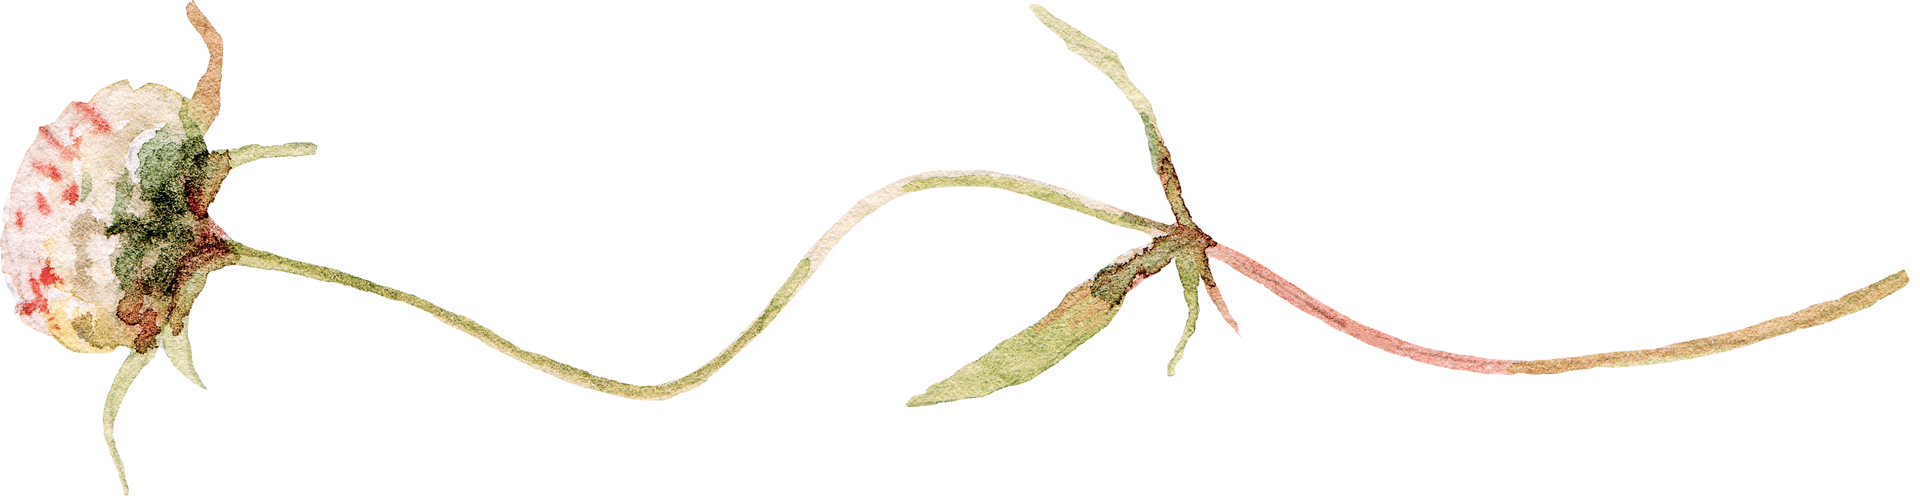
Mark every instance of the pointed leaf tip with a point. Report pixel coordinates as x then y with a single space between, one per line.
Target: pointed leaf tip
1213 288
180 352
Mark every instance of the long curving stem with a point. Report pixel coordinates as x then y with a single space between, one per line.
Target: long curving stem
1811 316
251 257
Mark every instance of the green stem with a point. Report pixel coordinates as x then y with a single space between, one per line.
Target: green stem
250 257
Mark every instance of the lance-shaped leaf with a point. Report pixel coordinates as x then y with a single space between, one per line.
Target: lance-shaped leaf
1081 314
1108 63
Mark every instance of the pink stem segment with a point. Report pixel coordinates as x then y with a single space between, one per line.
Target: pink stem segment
1817 314
1373 337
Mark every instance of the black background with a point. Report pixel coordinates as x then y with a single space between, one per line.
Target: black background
623 187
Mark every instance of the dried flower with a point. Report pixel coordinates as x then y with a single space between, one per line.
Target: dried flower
98 254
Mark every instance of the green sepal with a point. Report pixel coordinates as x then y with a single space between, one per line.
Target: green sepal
1190 269
116 394
180 352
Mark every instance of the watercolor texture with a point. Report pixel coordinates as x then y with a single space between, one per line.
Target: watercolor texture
110 243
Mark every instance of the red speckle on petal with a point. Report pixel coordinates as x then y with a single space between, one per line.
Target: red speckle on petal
47 135
46 168
100 124
19 219
39 301
45 209
47 277
36 304
72 194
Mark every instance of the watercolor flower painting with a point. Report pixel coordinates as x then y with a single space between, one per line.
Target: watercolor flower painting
110 243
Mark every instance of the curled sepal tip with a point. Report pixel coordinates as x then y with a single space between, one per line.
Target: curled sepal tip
205 105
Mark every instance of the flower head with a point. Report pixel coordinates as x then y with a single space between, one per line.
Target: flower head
99 232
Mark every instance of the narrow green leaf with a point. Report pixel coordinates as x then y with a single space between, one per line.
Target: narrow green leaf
1189 269
116 394
1027 354
1081 314
173 335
